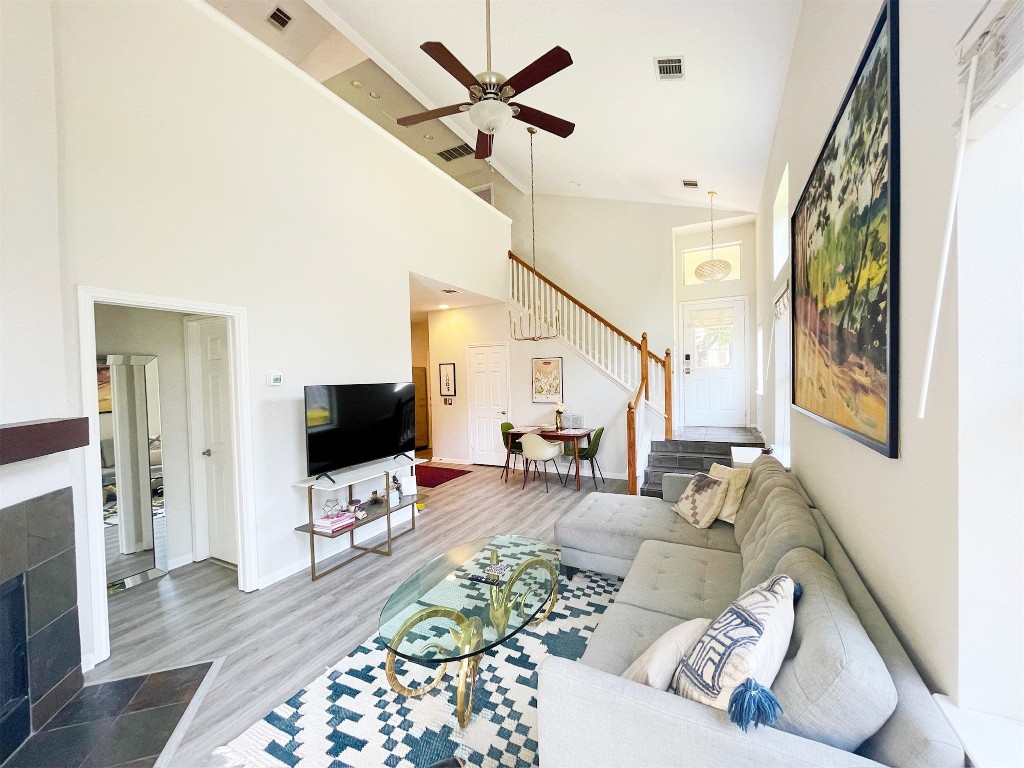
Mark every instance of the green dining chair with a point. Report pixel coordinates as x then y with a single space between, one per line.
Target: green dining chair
588 454
515 451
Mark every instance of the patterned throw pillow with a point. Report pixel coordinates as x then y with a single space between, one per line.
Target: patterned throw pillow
657 665
732 664
702 500
737 479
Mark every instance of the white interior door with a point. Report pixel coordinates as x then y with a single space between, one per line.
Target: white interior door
714 366
488 402
211 413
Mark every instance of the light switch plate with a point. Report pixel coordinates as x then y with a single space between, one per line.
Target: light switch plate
275 378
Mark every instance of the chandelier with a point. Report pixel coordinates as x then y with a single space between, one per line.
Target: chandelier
534 329
712 270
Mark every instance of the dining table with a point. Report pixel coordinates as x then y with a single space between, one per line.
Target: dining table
573 435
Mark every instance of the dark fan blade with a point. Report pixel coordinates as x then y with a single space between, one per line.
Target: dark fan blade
450 64
484 145
423 116
551 62
544 121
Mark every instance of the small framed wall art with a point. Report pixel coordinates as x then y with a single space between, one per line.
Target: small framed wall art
547 379
447 378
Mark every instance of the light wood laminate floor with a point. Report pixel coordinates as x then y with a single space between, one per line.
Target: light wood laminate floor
276 640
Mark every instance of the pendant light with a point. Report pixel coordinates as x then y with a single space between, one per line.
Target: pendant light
712 270
534 330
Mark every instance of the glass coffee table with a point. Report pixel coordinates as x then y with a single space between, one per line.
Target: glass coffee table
465 602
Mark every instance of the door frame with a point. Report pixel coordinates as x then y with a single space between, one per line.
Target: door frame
91 548
470 390
680 354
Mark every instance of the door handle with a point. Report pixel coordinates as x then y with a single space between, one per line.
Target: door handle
206 452
502 413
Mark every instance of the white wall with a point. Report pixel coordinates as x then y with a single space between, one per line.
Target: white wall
896 518
197 165
746 285
152 332
990 298
32 368
586 391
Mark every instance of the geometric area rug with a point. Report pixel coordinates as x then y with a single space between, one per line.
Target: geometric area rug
350 716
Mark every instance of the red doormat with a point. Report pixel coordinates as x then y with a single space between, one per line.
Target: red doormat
430 477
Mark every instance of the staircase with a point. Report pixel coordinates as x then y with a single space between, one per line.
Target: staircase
643 375
694 449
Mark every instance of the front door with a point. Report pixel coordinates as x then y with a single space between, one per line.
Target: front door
214 435
488 402
714 363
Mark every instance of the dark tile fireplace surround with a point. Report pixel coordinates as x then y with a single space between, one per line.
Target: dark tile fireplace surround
40 652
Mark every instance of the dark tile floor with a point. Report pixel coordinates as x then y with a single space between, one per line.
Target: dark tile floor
124 723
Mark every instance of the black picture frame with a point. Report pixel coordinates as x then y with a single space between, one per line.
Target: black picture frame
446 379
845 244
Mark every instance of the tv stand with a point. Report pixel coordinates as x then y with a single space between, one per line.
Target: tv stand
383 510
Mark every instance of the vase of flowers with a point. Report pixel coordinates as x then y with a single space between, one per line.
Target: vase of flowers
559 410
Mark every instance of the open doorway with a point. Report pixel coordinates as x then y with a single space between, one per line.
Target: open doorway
142 342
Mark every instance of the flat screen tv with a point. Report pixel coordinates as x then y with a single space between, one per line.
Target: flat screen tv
349 424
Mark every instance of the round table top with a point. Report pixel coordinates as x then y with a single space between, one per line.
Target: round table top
432 615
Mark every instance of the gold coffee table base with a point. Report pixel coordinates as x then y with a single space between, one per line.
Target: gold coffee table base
468 635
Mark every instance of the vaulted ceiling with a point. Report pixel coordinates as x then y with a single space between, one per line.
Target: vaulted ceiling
636 137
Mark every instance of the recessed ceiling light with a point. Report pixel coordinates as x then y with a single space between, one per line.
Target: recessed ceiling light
442 306
1002 105
574 184
373 95
428 137
357 83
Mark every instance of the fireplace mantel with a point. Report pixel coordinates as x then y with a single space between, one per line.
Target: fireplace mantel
31 439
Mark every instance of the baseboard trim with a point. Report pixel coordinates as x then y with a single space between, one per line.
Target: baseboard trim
442 460
178 562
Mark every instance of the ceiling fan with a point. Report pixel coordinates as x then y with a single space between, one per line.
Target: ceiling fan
489 104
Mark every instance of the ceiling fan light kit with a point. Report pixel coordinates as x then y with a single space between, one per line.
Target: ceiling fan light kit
490 115
712 270
489 94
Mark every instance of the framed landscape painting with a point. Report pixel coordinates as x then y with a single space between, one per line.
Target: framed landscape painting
845 265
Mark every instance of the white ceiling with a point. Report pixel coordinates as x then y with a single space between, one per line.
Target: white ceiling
305 31
635 137
425 295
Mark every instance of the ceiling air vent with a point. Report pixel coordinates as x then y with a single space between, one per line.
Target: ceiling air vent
689 183
279 18
670 68
455 152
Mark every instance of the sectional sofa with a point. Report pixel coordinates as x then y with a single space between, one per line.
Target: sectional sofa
850 694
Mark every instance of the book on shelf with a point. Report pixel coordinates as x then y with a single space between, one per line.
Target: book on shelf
333 524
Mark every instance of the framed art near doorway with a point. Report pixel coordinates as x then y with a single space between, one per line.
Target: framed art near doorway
446 375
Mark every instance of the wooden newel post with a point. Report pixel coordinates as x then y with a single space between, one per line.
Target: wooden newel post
668 394
631 448
644 365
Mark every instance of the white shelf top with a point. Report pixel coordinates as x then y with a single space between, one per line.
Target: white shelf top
990 741
358 474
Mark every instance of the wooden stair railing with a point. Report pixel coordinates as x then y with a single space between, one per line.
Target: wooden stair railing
628 361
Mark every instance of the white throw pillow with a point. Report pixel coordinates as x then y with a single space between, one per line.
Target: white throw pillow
737 479
656 666
702 500
732 665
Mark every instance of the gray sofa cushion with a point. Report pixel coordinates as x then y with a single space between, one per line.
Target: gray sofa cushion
683 581
616 525
622 634
784 523
833 686
917 735
766 474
